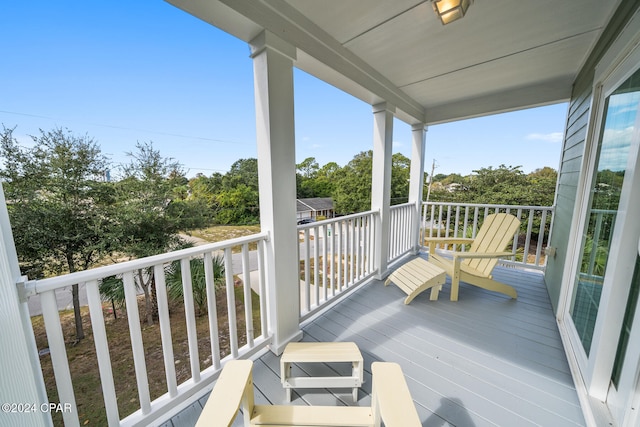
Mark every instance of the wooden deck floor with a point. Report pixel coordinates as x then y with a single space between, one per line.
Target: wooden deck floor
485 360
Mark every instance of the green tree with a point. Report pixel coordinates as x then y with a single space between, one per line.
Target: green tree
308 168
59 204
541 186
353 182
353 185
147 223
242 172
238 205
205 189
400 173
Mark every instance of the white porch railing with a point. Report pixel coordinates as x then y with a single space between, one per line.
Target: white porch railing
401 230
176 394
444 219
335 256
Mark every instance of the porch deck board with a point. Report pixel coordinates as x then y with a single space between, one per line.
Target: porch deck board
484 360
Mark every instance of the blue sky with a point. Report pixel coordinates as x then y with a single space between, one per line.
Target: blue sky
123 72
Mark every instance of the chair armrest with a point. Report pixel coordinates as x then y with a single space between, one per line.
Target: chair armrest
391 400
477 255
233 388
449 240
432 242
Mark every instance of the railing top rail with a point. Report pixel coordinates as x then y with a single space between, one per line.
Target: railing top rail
336 219
52 283
604 211
488 205
402 205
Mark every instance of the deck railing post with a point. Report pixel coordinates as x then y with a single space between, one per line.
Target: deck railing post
381 182
416 181
273 86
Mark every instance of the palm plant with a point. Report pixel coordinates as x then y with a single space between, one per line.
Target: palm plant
175 288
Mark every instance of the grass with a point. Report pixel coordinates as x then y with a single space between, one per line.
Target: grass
220 233
224 232
83 362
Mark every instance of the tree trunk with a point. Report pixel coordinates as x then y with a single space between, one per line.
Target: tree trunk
76 313
76 300
147 296
154 299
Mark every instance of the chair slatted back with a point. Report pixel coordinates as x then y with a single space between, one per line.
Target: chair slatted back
495 234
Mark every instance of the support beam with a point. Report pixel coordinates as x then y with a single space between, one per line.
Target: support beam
416 181
21 379
273 85
381 180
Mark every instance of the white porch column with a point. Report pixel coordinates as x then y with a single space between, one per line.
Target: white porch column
20 375
273 85
381 180
416 181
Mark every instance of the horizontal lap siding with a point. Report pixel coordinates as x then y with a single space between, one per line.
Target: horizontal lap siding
573 150
572 154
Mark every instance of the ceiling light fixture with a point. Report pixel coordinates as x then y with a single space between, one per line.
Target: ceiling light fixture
450 10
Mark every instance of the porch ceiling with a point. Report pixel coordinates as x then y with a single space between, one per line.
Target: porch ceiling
503 55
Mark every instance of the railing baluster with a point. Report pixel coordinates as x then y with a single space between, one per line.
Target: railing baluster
516 237
422 220
440 208
248 304
431 217
394 238
102 352
307 271
264 325
59 357
165 329
340 254
212 310
392 234
372 240
527 241
466 221
407 229
366 243
457 224
401 231
136 341
332 260
446 230
357 249
316 264
475 222
324 261
231 303
351 245
540 242
190 317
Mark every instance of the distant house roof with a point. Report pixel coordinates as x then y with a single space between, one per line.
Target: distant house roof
314 204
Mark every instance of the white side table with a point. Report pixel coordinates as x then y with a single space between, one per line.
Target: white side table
321 352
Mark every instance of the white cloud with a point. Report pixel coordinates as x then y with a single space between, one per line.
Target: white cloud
547 137
397 144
